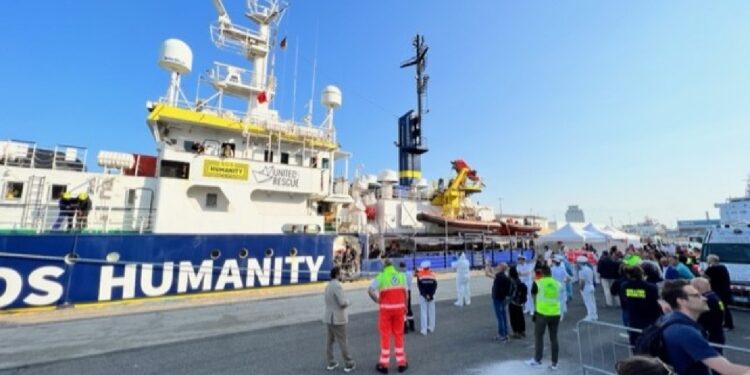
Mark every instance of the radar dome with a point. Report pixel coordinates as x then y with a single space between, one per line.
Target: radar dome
423 183
176 56
331 97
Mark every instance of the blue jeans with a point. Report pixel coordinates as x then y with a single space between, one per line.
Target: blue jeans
502 319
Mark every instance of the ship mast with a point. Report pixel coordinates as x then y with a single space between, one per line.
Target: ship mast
411 144
253 45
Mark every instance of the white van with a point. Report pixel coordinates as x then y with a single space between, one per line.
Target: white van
732 245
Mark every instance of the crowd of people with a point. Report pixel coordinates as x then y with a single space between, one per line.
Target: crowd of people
660 292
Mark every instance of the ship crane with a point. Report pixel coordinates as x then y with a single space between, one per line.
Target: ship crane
450 198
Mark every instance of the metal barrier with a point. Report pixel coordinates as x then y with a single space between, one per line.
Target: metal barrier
601 345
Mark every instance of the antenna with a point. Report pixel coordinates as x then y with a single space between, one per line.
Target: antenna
294 85
420 61
308 118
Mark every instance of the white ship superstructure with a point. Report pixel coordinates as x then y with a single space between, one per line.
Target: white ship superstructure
735 210
216 169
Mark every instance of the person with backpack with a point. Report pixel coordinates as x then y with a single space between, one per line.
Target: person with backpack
546 291
678 339
640 301
515 308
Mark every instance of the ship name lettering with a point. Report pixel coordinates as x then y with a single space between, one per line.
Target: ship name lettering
44 282
156 280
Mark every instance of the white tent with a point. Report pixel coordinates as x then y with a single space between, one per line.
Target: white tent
627 238
573 234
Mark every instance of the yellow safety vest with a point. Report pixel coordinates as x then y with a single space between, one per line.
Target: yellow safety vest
548 296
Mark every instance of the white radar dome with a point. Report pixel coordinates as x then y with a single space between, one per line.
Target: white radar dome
423 183
388 176
176 56
331 97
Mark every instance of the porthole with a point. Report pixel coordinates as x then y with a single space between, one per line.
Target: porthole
243 253
71 258
269 252
293 252
215 254
113 257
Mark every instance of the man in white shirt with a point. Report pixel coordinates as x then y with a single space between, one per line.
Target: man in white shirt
586 282
561 275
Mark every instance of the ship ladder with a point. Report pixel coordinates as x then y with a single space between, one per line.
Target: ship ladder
32 215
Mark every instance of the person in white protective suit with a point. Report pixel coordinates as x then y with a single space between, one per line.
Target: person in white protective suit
561 275
463 281
586 282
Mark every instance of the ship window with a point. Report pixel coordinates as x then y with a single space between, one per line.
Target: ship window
57 191
174 169
212 200
131 197
268 156
284 158
324 163
13 190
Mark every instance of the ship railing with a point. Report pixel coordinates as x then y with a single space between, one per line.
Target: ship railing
48 218
27 154
270 122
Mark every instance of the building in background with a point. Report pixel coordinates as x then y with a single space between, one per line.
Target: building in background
647 229
574 215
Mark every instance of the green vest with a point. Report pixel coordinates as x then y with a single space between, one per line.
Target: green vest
548 296
391 278
632 260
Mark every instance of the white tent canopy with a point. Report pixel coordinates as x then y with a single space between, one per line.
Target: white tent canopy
573 234
617 234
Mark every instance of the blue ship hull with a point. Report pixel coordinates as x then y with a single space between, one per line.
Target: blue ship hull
60 269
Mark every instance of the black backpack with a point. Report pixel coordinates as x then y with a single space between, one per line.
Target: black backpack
520 293
651 340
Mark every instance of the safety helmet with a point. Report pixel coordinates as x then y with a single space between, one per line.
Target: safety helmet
66 195
83 196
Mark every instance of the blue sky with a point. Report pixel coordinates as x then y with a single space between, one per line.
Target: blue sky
627 109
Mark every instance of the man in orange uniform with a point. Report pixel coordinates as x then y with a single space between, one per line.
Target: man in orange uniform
388 289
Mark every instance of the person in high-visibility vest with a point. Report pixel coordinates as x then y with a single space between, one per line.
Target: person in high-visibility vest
631 257
427 284
388 289
546 292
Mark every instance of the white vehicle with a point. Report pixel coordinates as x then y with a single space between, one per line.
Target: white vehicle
732 245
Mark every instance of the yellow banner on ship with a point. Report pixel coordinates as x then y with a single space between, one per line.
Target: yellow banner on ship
226 169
